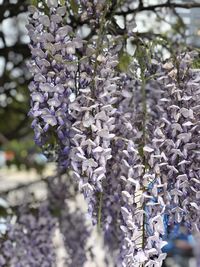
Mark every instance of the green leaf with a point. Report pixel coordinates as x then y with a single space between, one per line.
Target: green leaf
3 212
141 56
124 61
34 3
196 64
45 6
62 2
56 212
74 6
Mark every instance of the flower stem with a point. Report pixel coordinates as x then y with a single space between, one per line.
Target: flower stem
100 211
144 109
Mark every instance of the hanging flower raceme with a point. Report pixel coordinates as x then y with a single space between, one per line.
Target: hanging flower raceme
75 241
74 228
54 67
29 241
130 174
153 187
179 126
169 182
141 207
93 129
114 183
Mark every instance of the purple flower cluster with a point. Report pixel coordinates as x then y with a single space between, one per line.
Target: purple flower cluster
93 127
91 10
71 220
115 182
54 67
179 128
76 233
28 242
130 140
134 178
168 174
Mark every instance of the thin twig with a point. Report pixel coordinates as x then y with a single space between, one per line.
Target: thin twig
153 7
22 186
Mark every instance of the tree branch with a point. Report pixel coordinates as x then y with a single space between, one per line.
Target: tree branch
168 4
22 186
14 9
17 48
15 133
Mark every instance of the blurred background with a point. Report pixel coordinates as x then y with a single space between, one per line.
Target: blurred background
170 24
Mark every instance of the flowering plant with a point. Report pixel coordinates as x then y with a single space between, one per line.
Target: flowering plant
124 127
